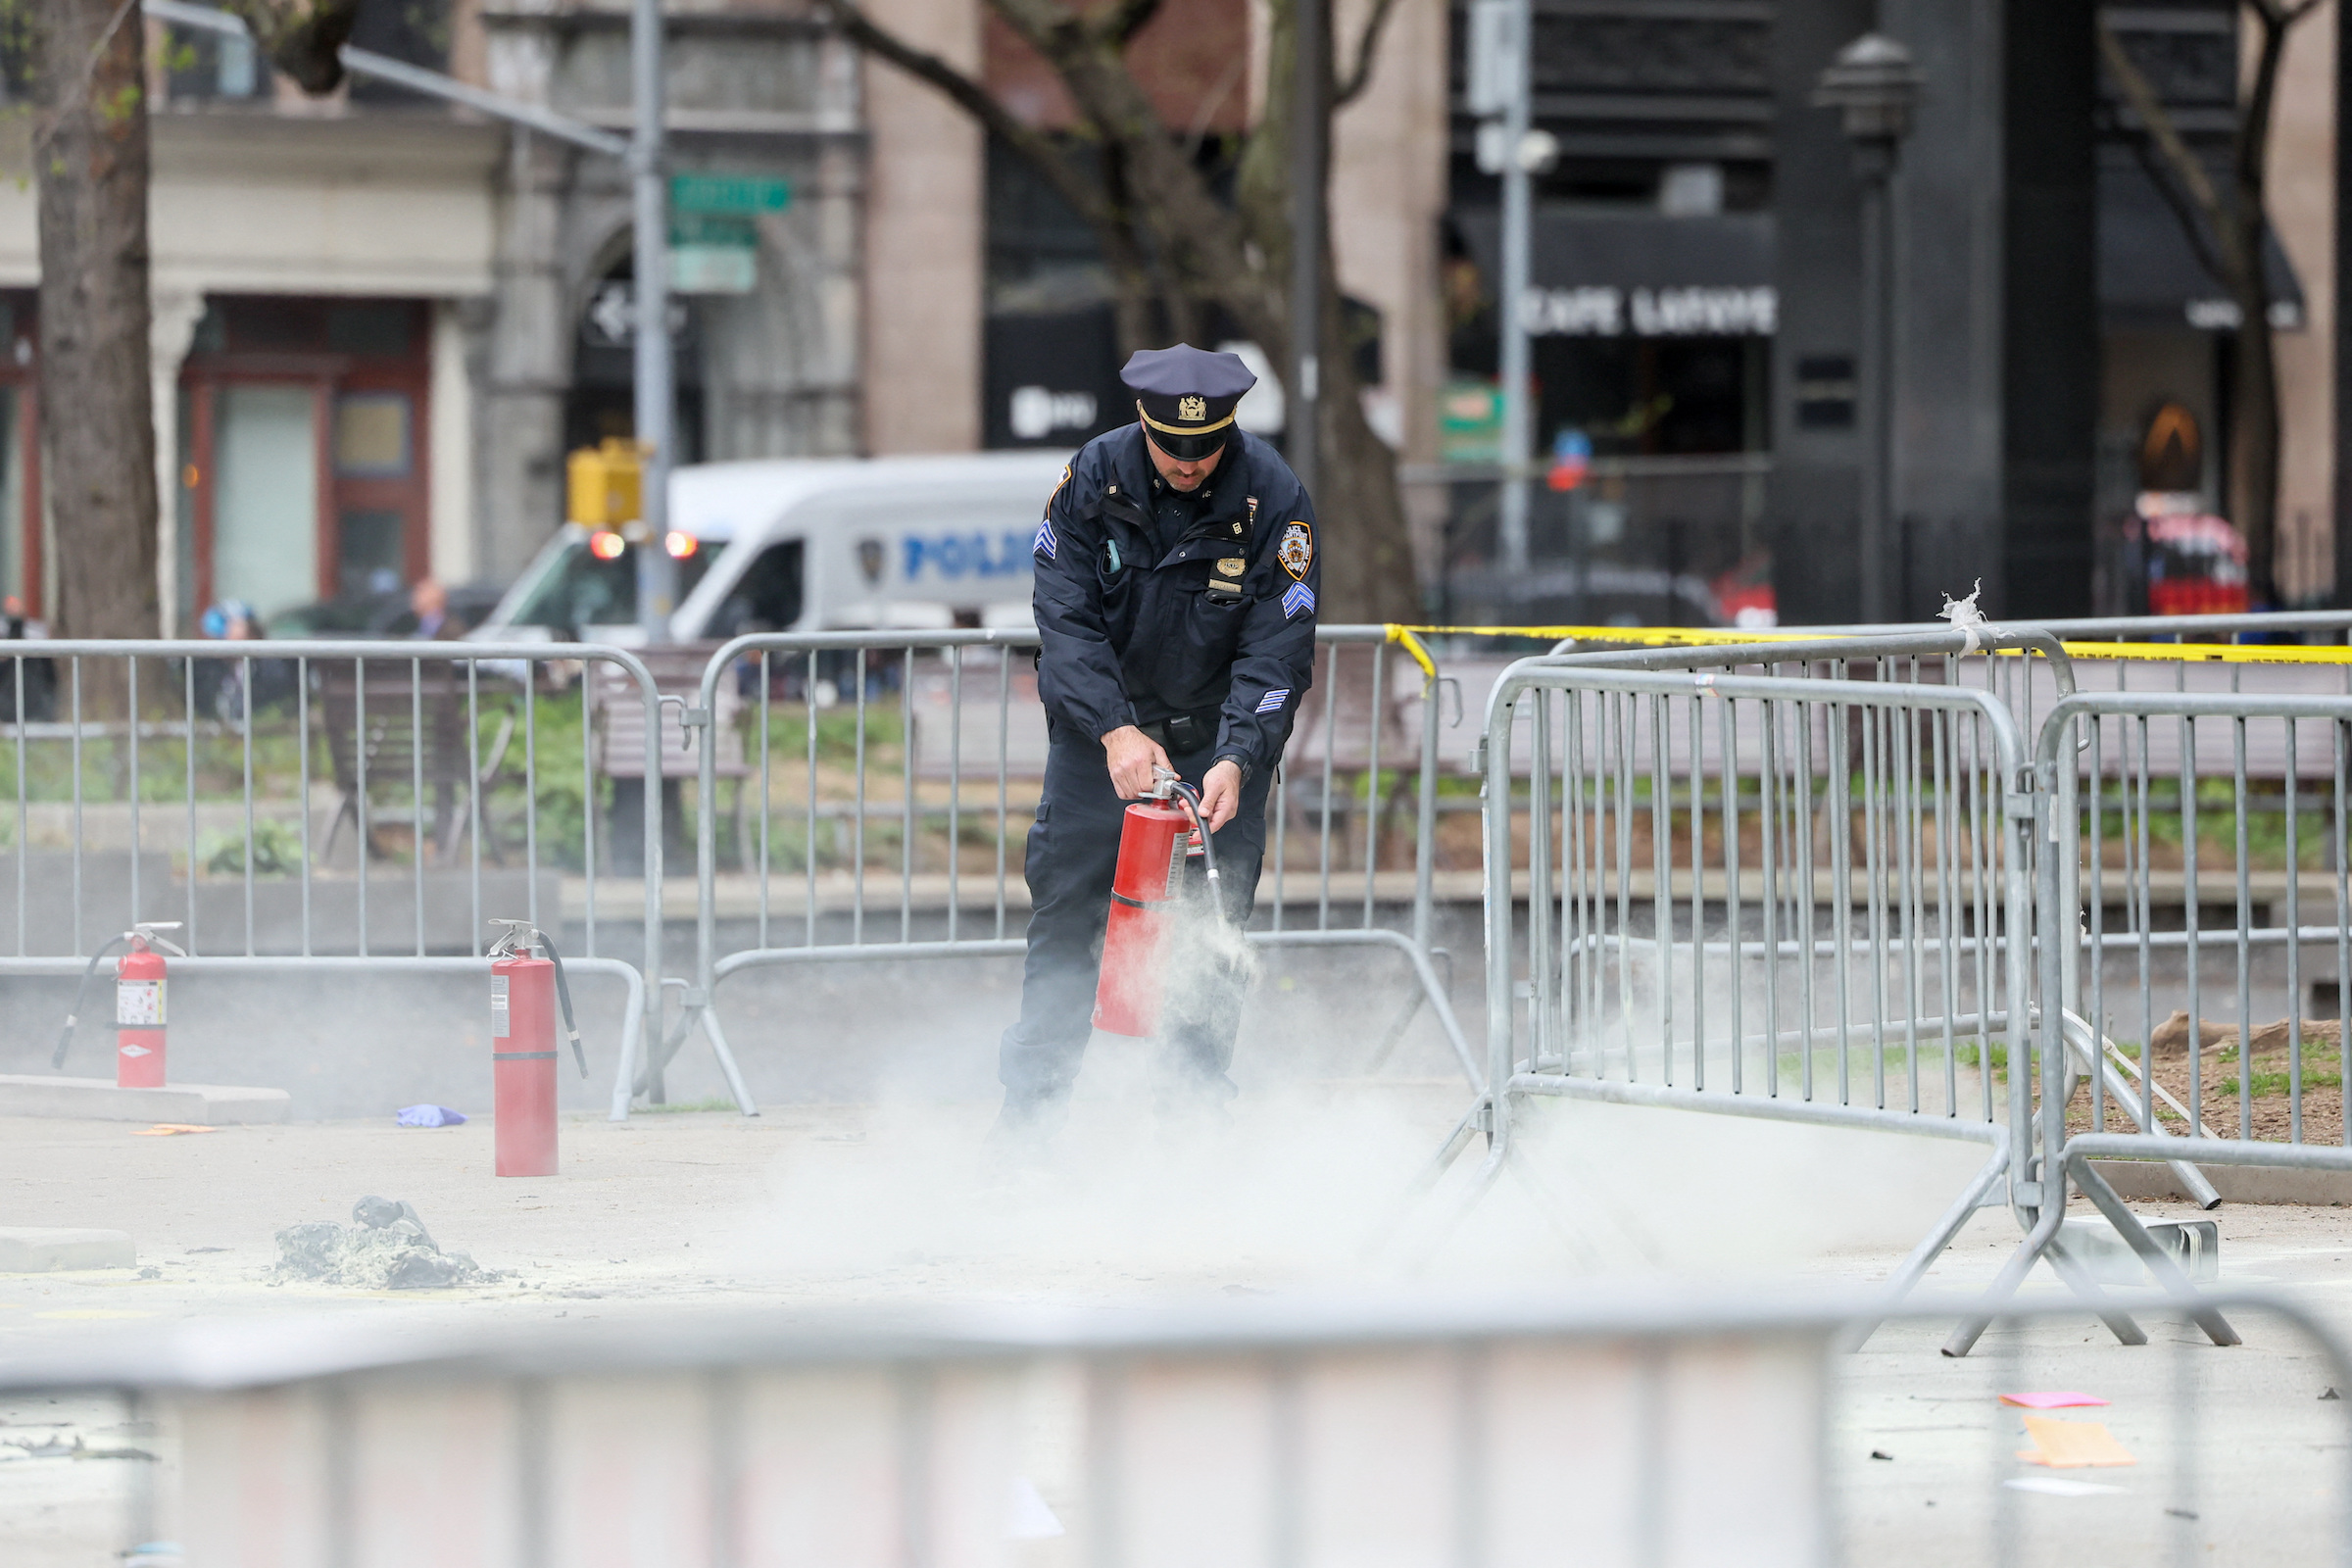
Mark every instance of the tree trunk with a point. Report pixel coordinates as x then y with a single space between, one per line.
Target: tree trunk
2254 440
2254 436
97 418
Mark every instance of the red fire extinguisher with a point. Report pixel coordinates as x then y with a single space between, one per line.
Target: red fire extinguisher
524 993
139 984
1156 835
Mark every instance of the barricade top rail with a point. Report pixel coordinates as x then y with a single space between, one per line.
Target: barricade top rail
219 1355
1906 645
2108 642
1016 637
1544 673
2121 627
2182 705
432 650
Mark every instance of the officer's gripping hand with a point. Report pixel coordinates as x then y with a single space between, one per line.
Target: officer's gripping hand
1221 795
1132 755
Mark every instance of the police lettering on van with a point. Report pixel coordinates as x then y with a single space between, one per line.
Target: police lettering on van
948 557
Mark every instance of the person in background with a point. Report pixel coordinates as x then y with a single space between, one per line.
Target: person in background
221 682
33 681
428 601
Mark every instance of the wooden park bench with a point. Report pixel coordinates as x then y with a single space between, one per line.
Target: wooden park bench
400 728
616 710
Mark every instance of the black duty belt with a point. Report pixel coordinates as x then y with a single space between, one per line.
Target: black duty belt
1180 734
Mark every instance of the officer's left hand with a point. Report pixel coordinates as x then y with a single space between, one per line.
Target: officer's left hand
1221 795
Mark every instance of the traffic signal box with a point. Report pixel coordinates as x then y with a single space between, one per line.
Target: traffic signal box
604 484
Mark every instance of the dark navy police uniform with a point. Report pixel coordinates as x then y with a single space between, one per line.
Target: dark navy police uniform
1193 617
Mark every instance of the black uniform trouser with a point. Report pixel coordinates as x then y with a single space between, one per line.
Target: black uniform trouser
1074 853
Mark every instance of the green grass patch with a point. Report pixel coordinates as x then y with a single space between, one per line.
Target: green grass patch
2273 1085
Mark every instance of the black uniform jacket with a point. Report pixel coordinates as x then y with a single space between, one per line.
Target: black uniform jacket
1131 636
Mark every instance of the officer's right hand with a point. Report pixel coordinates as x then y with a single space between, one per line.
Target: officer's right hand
1132 756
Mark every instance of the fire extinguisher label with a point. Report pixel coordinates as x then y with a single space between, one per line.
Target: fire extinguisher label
1176 863
139 1002
498 1006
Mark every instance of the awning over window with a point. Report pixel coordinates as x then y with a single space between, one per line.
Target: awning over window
1601 274
2149 275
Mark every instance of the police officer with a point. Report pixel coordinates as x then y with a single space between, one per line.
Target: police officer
1176 570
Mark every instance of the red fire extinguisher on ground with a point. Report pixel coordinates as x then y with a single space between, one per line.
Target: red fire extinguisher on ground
1156 835
524 992
139 984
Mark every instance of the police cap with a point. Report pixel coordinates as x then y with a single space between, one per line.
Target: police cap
1187 397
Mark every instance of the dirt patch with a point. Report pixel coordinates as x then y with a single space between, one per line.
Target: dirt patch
2224 1071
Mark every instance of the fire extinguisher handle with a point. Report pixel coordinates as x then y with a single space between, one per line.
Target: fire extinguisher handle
563 998
81 994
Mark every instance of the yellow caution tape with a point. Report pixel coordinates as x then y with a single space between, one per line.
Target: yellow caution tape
2216 653
1714 637
1404 636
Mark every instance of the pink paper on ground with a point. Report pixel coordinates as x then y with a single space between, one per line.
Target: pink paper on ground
2050 1402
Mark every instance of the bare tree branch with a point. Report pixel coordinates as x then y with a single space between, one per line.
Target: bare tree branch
301 37
1031 144
2193 223
2185 166
1367 45
1120 22
1197 236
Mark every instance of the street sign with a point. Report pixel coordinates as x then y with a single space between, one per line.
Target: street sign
730 195
1469 423
713 233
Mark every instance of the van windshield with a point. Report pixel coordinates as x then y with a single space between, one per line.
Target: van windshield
578 590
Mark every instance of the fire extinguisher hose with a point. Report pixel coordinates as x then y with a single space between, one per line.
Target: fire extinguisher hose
1191 799
82 996
563 998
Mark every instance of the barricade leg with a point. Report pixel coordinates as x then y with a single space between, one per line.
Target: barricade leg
695 1016
2078 1038
2159 1264
1931 1247
2041 1242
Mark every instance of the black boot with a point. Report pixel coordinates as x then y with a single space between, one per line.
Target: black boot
1027 1125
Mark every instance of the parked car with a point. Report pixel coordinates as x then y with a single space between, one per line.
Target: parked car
381 614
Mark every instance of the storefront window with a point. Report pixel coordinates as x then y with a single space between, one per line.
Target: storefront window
266 497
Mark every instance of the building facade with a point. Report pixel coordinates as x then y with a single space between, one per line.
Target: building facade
380 324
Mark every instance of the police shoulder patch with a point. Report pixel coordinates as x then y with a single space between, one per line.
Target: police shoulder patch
1296 552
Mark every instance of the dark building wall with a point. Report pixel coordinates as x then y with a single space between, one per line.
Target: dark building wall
1946 202
1814 490
1997 352
2050 337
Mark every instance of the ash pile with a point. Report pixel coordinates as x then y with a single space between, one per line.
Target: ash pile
385 1248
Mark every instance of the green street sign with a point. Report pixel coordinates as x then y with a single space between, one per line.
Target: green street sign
733 195
713 228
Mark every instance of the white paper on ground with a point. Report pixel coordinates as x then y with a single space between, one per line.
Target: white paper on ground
1029 1518
2057 1488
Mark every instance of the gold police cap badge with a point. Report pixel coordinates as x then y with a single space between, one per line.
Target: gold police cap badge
1192 406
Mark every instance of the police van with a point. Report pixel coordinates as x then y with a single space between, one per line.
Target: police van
806 545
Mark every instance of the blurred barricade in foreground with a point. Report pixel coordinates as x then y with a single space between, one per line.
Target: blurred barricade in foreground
1605 1431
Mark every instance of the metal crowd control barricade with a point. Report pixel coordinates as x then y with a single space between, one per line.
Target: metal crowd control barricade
1689 1431
882 835
177 781
2138 797
1782 897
